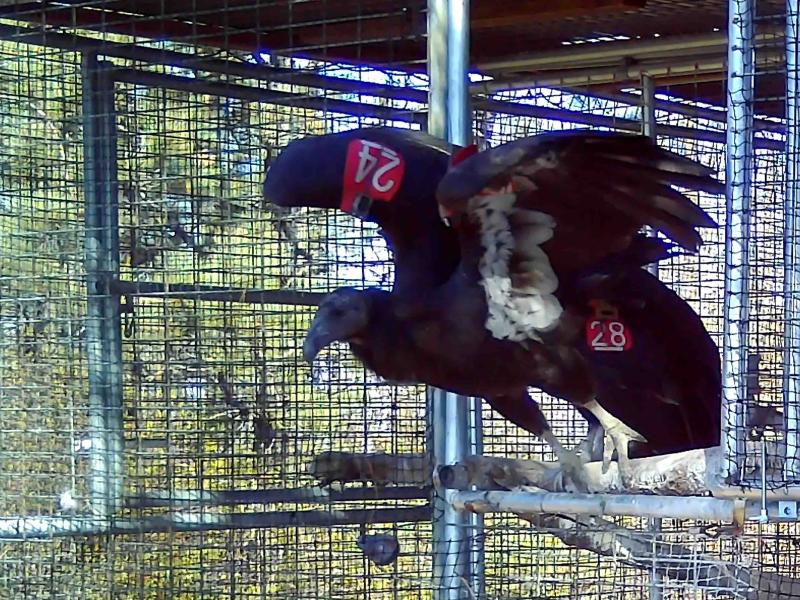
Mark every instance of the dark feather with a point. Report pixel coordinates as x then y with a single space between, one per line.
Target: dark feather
601 188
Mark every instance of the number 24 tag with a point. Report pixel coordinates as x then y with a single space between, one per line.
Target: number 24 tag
372 172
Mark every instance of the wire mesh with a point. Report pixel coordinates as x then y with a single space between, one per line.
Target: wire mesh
764 414
220 416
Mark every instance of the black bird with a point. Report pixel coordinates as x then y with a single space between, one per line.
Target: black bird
647 388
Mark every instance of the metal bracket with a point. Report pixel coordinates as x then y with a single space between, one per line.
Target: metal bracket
787 509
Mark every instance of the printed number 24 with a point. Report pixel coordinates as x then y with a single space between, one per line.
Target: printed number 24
368 161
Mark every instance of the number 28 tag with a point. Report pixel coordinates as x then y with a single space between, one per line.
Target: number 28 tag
605 331
372 172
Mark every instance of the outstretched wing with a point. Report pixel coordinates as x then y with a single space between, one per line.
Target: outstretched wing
353 169
542 208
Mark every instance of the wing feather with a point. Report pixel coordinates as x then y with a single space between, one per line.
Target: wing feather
560 202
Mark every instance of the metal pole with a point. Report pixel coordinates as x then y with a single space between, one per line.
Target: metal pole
791 364
211 293
649 129
103 332
47 526
609 505
454 421
311 495
739 171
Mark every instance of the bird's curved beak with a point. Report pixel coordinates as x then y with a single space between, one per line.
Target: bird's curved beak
316 340
446 215
323 331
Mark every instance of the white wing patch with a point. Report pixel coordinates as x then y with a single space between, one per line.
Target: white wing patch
520 309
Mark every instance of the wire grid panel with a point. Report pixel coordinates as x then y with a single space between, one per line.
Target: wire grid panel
216 398
767 401
42 299
626 558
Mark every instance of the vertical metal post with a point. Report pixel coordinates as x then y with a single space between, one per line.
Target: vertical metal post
739 171
103 334
649 129
648 106
791 334
455 426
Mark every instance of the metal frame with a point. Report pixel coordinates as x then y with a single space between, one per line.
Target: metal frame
791 363
267 73
103 328
737 233
454 420
104 359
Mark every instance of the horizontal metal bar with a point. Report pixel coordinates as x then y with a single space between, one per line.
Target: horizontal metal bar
755 493
266 73
619 52
691 69
570 116
209 293
681 108
251 94
315 495
173 58
20 528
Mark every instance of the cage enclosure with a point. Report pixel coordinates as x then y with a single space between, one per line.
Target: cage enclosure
161 434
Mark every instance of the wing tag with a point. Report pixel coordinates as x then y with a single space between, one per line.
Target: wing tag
605 331
372 172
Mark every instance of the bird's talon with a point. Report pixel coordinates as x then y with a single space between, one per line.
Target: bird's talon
618 438
572 470
608 451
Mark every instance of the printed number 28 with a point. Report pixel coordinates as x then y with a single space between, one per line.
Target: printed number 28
608 335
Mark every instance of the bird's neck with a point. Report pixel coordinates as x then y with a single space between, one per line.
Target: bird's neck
425 252
385 340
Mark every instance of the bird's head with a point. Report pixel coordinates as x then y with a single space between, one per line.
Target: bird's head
373 173
342 316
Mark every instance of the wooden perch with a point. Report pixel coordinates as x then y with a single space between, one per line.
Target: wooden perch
377 468
681 474
678 562
685 473
690 473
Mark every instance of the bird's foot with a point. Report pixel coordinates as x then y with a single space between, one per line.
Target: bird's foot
591 447
617 436
571 462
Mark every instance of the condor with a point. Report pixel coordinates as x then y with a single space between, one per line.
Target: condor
536 282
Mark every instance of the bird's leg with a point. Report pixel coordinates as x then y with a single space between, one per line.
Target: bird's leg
590 448
524 411
617 435
570 461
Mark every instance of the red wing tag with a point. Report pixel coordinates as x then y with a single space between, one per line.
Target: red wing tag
463 154
605 331
372 171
